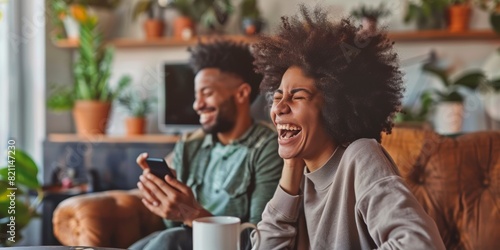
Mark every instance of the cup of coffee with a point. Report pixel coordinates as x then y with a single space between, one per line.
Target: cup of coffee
220 233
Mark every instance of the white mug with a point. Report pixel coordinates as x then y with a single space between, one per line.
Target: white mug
220 233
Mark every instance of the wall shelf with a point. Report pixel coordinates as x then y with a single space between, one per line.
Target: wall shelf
399 36
435 35
160 42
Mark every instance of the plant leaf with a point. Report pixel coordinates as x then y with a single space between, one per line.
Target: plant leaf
495 84
436 71
25 169
471 80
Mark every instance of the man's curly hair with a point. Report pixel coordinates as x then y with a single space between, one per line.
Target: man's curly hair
356 73
230 57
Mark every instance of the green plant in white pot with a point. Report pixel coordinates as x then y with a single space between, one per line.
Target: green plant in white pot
137 108
91 96
449 101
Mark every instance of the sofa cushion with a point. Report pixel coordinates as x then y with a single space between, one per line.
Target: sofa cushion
455 179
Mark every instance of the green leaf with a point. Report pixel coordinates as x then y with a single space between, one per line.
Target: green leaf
25 169
495 84
438 72
471 80
142 6
453 96
61 99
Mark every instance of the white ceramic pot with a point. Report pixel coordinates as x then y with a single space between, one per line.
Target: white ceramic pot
449 117
72 28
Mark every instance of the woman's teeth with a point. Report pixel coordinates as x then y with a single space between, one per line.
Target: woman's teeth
288 131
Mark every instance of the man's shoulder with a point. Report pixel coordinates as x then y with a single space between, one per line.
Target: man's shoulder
262 134
193 136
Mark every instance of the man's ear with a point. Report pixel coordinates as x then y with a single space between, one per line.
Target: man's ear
243 94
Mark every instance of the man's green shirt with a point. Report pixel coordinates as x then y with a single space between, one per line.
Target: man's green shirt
237 179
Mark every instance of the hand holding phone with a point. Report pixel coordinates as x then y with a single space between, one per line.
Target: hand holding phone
159 167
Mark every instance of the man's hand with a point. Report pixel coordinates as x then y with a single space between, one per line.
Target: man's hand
141 161
171 200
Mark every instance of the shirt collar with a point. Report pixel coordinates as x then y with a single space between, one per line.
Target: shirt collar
211 139
323 177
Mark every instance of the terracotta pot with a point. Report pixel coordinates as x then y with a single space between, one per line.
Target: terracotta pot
459 17
135 125
91 117
153 28
183 28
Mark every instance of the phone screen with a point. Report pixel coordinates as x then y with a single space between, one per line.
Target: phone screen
159 167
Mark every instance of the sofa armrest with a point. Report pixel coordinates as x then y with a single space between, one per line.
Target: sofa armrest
106 219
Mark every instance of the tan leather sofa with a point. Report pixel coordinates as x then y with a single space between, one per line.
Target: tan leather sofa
457 181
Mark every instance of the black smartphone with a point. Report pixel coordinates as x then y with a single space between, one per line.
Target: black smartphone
159 167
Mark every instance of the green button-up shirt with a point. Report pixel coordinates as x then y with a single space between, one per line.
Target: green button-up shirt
237 179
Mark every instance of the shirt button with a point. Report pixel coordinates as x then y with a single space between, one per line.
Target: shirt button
216 191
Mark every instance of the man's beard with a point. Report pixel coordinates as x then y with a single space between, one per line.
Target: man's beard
225 120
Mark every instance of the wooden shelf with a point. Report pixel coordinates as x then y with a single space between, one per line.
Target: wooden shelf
148 138
400 36
434 35
160 42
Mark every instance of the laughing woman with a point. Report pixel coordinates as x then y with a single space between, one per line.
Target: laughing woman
333 93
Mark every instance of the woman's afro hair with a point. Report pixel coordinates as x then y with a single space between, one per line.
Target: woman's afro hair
230 57
357 72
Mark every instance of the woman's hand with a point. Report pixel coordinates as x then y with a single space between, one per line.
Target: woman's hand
293 170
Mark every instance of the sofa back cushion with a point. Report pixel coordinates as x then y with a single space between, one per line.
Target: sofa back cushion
456 180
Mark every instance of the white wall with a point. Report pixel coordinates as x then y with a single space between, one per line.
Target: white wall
142 63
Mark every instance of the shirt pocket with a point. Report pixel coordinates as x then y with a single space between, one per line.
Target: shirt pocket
237 190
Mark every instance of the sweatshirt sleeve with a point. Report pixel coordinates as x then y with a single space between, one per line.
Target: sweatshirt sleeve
278 228
395 219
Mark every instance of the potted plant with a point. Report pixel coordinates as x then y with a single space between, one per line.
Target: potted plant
449 101
459 13
91 96
137 109
153 26
369 15
416 116
184 25
214 14
428 14
251 22
17 179
64 13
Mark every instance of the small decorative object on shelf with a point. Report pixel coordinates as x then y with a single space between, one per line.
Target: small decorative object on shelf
448 100
370 15
459 13
251 22
90 98
428 14
137 108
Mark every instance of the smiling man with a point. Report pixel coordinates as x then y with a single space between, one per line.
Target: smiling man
227 167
